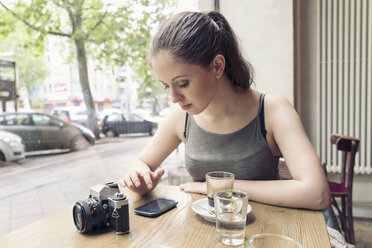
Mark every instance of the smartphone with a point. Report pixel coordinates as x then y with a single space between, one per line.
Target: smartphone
156 207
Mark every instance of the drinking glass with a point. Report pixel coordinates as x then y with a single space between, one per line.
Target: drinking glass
231 215
269 240
218 180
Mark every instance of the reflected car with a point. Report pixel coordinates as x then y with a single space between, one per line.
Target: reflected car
11 147
116 124
44 132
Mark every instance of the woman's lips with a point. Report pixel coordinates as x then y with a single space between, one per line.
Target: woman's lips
186 107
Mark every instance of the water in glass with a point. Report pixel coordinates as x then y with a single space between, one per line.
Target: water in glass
230 227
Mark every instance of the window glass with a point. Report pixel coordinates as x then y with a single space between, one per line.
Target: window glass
10 120
114 117
40 120
133 117
50 111
54 122
16 119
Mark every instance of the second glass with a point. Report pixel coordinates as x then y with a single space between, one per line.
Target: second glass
216 181
231 215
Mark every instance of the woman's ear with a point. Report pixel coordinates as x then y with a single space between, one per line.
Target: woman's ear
218 65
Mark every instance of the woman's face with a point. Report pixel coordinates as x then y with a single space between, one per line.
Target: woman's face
190 85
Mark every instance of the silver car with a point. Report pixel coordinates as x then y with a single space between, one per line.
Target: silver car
11 147
44 132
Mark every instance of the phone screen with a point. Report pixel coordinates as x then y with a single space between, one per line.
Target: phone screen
156 207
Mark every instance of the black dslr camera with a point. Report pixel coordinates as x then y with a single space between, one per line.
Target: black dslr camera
105 207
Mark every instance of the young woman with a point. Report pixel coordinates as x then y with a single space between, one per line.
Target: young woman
225 124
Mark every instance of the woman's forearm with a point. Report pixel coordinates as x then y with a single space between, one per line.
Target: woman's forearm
287 193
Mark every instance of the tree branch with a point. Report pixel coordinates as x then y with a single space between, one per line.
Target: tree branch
96 25
32 26
70 14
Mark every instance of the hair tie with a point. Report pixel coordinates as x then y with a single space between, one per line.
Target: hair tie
212 15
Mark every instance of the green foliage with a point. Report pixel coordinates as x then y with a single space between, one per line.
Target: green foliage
36 104
31 71
25 50
138 45
127 41
114 34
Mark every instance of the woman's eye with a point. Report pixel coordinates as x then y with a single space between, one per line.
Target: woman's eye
184 84
166 87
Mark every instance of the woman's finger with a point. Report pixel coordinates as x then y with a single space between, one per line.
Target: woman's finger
122 182
128 181
194 187
135 178
156 176
147 178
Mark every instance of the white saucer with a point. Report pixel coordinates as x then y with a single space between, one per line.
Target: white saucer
202 210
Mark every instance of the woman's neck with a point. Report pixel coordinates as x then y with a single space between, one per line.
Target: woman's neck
227 102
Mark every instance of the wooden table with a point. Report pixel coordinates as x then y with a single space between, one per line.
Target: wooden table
180 227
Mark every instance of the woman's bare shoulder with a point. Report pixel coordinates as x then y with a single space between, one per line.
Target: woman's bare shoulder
277 103
278 111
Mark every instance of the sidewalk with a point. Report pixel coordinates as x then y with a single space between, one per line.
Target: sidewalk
50 191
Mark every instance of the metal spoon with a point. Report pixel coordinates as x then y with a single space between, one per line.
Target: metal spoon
211 212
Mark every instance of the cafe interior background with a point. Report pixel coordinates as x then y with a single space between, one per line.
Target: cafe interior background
318 55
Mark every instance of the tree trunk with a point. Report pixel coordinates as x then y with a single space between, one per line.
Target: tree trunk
92 121
155 103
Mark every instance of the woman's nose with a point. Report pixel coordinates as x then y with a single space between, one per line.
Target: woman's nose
175 96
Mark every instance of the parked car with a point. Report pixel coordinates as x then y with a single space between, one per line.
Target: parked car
115 124
11 147
42 131
74 114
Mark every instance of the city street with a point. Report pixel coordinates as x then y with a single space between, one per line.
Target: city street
42 185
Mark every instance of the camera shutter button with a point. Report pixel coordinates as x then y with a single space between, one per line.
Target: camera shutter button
118 196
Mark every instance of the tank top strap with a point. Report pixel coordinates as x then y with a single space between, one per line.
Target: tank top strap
186 124
261 113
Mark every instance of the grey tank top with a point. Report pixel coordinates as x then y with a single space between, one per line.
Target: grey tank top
244 152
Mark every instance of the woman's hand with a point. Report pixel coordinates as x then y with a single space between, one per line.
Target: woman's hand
140 178
194 187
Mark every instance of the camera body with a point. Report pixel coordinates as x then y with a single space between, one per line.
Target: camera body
105 207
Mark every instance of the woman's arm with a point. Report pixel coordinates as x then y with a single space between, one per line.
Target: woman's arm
142 175
308 187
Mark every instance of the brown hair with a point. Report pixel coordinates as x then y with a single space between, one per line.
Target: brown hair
197 37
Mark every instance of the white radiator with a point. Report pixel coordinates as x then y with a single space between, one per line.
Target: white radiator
345 79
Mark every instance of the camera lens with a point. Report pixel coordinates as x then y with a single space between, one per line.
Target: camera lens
88 215
78 219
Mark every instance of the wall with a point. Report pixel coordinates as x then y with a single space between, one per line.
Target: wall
265 30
